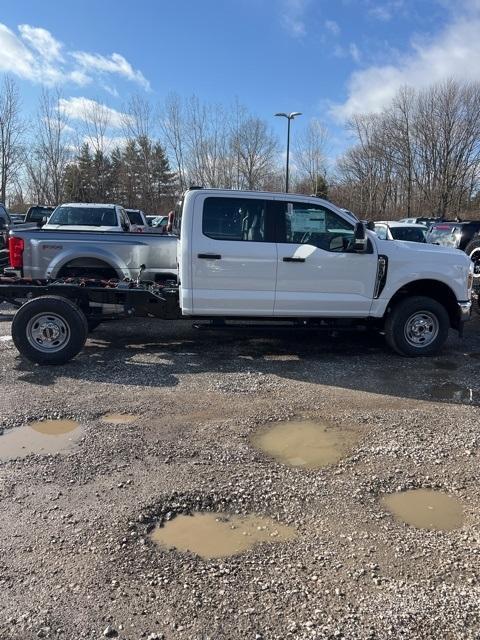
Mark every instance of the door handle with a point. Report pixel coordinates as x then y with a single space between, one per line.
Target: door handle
290 259
210 256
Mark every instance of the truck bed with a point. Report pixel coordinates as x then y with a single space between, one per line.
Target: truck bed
49 253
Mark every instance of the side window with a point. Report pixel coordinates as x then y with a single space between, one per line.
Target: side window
315 225
381 231
234 219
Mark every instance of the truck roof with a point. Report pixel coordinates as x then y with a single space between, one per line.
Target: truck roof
267 194
89 204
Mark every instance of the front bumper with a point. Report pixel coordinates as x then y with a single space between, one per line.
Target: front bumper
464 311
464 315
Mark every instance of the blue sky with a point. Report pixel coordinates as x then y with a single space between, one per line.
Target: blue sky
325 58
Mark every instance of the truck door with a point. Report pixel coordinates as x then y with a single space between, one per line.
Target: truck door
234 256
316 275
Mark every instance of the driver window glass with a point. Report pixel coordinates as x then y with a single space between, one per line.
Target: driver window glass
317 226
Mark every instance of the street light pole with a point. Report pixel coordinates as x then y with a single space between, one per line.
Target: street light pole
289 117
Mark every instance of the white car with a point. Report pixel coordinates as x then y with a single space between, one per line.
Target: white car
82 216
392 230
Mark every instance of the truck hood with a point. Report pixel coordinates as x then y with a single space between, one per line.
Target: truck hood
77 227
432 251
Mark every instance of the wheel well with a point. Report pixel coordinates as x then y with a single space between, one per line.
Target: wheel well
80 266
431 289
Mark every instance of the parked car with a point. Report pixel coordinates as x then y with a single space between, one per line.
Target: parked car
460 235
79 216
159 223
38 214
392 230
138 220
6 224
150 219
255 256
17 218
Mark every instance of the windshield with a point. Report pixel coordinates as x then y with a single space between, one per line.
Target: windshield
135 217
411 234
444 234
84 216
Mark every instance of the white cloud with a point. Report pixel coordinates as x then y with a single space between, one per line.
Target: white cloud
34 54
14 55
42 41
332 26
86 110
453 53
113 64
292 16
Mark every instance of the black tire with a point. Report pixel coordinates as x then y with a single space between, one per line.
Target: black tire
417 319
66 319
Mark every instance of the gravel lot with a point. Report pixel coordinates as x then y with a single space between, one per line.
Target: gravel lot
75 557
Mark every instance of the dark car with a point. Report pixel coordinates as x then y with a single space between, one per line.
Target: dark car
460 235
38 213
5 225
454 234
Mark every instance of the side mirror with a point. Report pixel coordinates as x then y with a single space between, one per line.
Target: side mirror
360 240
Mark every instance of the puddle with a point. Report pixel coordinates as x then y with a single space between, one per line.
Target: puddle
453 392
425 509
445 365
305 444
213 535
43 437
119 418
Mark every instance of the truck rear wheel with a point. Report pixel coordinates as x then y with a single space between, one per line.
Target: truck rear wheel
417 326
49 330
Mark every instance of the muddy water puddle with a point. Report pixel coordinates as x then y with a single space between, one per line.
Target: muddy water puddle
214 535
305 443
41 437
425 509
450 391
119 418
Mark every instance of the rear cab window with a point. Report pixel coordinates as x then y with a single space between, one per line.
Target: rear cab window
235 219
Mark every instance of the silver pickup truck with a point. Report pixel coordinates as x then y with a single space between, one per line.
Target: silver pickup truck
46 254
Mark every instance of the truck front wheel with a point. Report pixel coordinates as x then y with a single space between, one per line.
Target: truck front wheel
49 330
417 326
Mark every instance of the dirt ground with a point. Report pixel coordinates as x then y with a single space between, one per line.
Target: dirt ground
76 559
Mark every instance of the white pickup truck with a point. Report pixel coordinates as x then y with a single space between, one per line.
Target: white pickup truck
268 256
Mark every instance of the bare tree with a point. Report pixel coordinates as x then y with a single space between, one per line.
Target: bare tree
48 156
11 132
254 148
310 152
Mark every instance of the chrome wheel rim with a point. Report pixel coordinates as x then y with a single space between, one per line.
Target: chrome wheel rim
475 258
47 332
421 329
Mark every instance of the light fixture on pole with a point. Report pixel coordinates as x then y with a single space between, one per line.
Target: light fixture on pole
289 117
